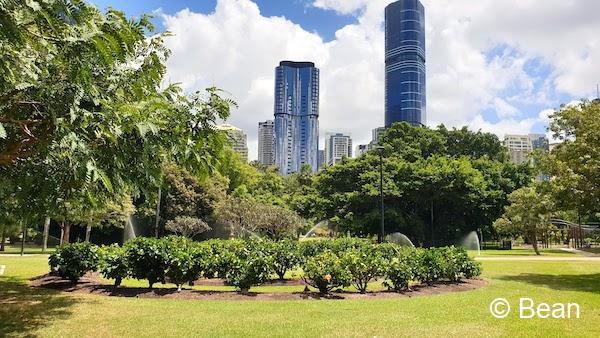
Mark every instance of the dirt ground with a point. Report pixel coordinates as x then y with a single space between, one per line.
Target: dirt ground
93 284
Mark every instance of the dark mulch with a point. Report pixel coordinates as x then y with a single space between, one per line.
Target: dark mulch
93 284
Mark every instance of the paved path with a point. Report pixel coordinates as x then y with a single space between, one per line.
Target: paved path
540 258
580 252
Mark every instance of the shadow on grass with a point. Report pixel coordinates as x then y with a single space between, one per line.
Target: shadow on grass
23 309
584 283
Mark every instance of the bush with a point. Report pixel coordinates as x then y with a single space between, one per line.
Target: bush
431 266
73 261
245 271
364 263
148 259
219 256
345 244
388 250
113 263
181 265
471 269
326 272
455 262
402 269
312 247
285 255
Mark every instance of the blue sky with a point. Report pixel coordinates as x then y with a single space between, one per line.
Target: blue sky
489 67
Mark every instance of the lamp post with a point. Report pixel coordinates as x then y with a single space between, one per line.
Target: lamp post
382 216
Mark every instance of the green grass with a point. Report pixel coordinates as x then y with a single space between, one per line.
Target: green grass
524 252
26 311
593 250
29 249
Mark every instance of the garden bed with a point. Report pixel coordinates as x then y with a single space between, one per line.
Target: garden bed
91 283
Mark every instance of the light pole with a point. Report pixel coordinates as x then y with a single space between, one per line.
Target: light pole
382 216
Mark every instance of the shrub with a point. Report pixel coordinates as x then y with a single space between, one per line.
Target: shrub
345 244
364 263
148 259
312 247
113 263
471 269
245 271
219 255
326 272
402 269
285 255
388 250
454 261
181 267
73 261
431 266
187 226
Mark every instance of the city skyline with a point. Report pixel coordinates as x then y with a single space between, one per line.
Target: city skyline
500 66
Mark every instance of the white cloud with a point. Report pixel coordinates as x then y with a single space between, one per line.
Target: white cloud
504 127
236 48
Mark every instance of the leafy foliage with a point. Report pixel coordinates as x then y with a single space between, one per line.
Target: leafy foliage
148 259
74 261
187 226
402 269
365 264
113 263
325 272
285 255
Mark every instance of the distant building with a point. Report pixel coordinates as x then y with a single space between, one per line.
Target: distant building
266 143
337 146
521 146
296 116
321 161
360 150
237 140
405 91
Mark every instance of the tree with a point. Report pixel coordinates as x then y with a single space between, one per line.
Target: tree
84 107
187 226
528 215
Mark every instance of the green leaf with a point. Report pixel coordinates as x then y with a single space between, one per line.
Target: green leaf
2 131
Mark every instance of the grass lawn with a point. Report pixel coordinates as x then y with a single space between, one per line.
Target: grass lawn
26 311
593 250
29 249
524 252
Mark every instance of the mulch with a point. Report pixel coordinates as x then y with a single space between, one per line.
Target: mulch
93 284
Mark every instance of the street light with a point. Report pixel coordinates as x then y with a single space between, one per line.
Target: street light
382 233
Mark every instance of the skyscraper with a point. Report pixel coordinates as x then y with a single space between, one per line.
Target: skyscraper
237 140
296 116
337 146
405 92
266 143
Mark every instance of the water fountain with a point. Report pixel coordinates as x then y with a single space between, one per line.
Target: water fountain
399 238
471 242
128 230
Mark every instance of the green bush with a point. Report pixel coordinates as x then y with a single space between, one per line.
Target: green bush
431 266
345 244
220 254
326 272
148 259
312 247
365 263
181 265
113 263
455 261
402 269
471 269
73 261
247 270
388 250
285 255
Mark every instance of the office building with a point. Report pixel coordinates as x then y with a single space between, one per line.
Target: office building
237 140
360 150
266 143
296 116
321 159
521 146
337 146
405 90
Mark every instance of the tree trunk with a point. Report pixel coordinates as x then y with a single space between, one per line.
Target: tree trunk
535 244
66 233
46 231
88 231
2 238
23 239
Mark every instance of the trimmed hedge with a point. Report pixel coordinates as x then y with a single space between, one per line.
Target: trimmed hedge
326 264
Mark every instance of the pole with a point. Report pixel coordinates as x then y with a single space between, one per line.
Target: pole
382 235
157 213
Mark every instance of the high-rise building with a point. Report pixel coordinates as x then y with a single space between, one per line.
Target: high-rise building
296 116
266 143
360 150
405 91
321 158
521 146
237 140
337 146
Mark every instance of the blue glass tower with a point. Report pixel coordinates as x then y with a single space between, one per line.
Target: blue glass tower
405 96
296 116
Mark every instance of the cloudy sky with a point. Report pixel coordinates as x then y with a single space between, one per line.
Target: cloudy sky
498 66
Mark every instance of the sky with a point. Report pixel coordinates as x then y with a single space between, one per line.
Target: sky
495 66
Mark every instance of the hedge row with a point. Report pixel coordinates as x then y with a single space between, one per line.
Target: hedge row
325 264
